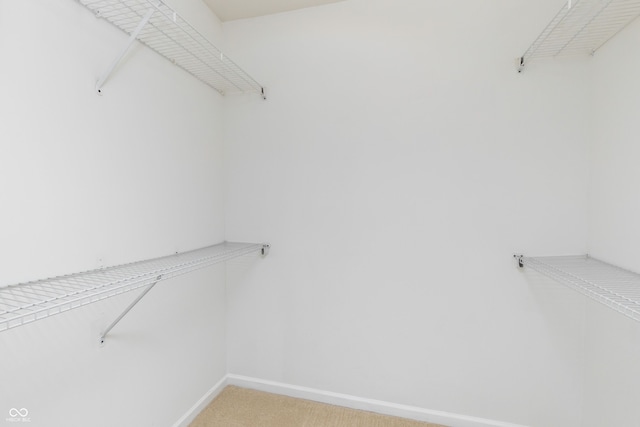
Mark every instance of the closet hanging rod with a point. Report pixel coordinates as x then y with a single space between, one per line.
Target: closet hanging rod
615 287
159 27
27 302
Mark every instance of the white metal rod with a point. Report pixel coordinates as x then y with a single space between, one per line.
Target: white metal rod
128 309
115 62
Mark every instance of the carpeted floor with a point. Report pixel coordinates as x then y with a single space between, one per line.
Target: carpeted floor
239 407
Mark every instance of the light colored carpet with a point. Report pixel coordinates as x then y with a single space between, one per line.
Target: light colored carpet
239 407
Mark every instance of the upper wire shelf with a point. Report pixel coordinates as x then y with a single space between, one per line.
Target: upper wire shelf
612 286
27 302
581 27
159 27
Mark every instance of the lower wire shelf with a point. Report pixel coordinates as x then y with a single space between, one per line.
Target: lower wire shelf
612 286
28 302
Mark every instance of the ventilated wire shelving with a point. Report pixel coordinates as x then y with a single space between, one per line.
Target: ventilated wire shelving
581 27
612 286
28 302
159 27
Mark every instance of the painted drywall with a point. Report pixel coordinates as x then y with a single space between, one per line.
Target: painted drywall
397 165
613 342
90 181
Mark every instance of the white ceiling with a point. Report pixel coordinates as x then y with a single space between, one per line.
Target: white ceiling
228 10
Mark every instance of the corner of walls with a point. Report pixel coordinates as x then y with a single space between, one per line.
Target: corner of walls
612 374
202 403
614 232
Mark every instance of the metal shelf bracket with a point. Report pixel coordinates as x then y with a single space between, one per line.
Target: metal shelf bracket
134 35
265 249
128 309
520 259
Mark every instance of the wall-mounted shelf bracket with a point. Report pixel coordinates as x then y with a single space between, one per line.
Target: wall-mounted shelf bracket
265 249
134 35
128 309
520 259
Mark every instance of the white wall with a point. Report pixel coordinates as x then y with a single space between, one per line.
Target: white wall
91 180
397 165
613 373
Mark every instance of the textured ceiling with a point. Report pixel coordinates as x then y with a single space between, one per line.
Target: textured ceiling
228 10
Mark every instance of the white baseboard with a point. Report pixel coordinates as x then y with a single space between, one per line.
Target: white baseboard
371 405
345 400
201 404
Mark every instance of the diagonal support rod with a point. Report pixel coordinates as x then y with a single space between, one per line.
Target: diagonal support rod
116 61
128 309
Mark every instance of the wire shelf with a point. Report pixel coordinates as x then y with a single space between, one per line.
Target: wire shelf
28 302
581 27
612 286
172 37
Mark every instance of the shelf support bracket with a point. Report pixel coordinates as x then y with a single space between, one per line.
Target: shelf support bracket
128 309
265 249
520 260
116 61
